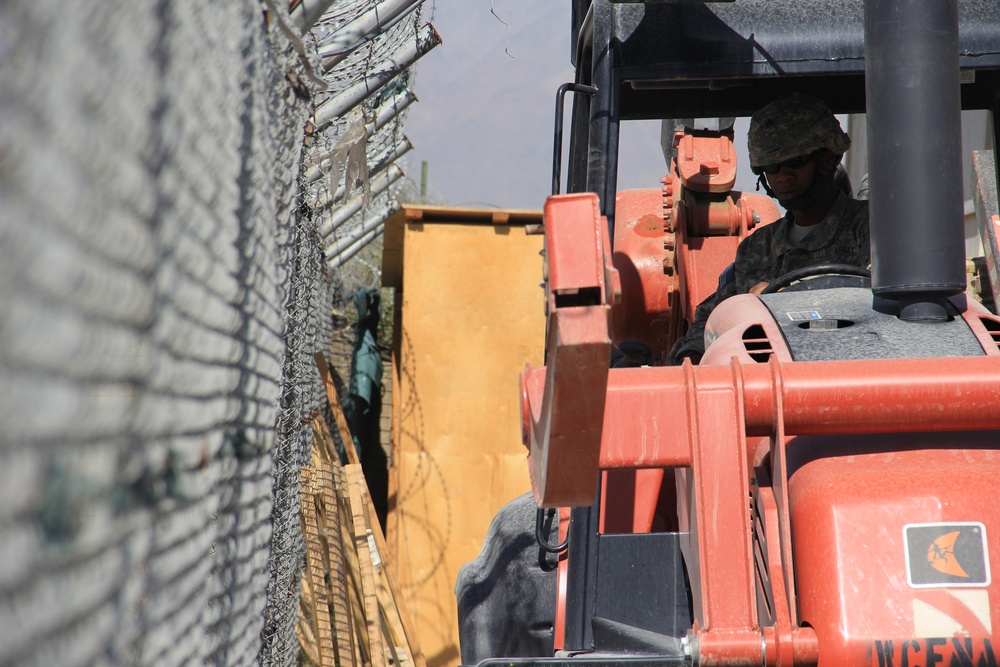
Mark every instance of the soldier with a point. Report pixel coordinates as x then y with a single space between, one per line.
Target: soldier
796 144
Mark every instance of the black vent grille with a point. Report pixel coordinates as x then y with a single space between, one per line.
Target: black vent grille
759 347
993 327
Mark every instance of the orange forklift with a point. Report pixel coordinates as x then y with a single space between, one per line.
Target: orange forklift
819 489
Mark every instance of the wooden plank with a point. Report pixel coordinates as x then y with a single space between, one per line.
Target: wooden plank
396 616
307 642
338 412
352 568
392 624
392 519
439 458
397 657
325 443
379 609
340 603
394 235
474 216
315 572
330 515
356 484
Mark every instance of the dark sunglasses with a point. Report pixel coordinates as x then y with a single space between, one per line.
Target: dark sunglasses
794 163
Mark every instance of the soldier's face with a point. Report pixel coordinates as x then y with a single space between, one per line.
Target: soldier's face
791 182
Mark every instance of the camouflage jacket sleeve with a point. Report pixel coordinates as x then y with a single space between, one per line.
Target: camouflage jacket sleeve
842 237
766 254
692 343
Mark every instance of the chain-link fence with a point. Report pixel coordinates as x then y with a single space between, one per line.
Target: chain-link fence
163 288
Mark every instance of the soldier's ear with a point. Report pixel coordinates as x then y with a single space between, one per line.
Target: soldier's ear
828 159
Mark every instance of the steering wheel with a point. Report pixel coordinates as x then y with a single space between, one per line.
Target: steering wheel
783 281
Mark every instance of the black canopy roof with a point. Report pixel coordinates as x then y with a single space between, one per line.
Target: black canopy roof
757 49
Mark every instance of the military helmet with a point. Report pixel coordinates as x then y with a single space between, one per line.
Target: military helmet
793 126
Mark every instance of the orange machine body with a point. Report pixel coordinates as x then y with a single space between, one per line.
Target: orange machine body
826 511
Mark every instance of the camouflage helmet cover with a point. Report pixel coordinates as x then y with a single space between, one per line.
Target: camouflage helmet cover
792 126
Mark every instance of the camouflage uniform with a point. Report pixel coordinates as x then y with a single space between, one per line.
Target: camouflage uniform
767 254
841 238
791 127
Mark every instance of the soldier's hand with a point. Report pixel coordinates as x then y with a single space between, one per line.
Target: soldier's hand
758 288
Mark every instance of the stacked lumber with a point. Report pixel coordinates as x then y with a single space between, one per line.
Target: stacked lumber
350 614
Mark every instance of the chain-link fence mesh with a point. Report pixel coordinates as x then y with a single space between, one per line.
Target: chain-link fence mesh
163 288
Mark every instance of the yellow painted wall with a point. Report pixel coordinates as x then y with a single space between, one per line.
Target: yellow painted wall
472 317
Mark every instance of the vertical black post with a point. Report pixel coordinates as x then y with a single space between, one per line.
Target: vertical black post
914 153
579 147
576 173
602 165
609 193
557 139
596 150
581 575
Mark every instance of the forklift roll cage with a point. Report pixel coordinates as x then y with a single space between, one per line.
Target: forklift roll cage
689 59
647 63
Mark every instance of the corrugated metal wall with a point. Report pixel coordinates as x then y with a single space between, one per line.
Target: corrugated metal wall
160 301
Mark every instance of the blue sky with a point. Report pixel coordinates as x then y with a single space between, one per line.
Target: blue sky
484 122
